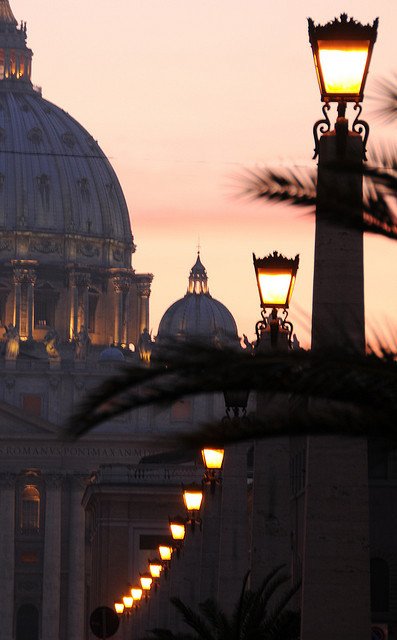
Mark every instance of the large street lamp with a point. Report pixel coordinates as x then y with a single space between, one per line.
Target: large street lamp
275 277
337 530
342 51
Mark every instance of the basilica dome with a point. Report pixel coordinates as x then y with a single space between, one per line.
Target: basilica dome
55 180
65 236
198 316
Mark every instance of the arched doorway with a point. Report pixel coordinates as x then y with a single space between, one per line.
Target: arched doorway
27 623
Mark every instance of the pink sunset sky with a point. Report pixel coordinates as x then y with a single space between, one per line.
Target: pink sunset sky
182 96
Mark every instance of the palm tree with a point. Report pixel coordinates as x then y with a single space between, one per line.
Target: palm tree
255 617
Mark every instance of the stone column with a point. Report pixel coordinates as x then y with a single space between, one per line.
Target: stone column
335 589
52 559
233 554
121 284
76 582
31 278
7 553
18 279
84 280
74 305
144 294
210 543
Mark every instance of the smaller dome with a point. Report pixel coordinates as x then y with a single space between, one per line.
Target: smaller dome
198 316
111 354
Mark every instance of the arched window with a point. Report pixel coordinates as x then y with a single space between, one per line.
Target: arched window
30 509
380 585
27 627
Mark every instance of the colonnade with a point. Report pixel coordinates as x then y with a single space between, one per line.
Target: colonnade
11 595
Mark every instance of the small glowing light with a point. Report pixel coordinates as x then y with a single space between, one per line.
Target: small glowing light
343 67
131 346
118 607
155 568
128 602
165 552
213 458
192 499
136 593
146 581
178 530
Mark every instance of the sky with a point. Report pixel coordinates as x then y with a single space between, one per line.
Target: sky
184 96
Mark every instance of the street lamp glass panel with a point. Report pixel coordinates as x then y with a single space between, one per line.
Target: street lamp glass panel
178 530
213 458
275 288
343 66
192 499
165 552
136 593
146 582
118 607
155 568
128 602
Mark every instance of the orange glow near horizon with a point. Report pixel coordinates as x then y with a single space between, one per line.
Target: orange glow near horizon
343 66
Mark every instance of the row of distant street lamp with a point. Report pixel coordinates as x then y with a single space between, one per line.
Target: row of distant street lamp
192 497
276 278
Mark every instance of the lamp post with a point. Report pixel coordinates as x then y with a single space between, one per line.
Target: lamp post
275 277
333 541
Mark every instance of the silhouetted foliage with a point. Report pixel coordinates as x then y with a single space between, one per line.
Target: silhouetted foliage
354 394
255 617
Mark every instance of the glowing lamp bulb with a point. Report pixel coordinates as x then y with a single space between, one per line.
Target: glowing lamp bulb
146 581
165 552
119 607
136 593
213 458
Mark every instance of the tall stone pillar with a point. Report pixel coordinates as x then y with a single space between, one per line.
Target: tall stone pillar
76 581
31 277
18 279
7 553
73 304
83 282
210 543
233 554
121 284
144 294
335 590
271 526
52 559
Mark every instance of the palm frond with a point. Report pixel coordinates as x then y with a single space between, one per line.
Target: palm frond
216 617
194 620
385 94
297 186
350 389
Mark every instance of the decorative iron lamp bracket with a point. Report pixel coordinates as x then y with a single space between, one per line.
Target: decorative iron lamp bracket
276 325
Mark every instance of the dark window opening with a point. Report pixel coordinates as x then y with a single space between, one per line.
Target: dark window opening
151 542
45 301
31 403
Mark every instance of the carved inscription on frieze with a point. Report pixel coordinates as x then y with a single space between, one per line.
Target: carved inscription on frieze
72 451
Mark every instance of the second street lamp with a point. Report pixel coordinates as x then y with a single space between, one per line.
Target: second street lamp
275 277
192 497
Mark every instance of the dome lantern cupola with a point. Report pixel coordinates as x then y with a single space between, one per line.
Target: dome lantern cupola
198 280
15 56
198 316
